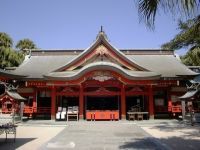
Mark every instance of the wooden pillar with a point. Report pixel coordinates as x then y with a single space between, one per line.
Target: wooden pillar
169 101
151 103
53 102
123 103
81 102
35 98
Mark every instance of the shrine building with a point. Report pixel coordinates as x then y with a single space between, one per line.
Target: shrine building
103 82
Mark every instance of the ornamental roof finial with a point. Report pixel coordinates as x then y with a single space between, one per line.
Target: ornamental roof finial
102 33
101 28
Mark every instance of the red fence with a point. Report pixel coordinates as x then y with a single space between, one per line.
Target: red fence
38 110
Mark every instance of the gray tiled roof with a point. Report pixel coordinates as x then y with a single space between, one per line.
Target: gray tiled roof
13 94
8 74
189 94
152 63
166 65
71 75
37 66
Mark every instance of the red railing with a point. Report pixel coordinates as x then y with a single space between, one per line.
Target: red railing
176 109
29 110
102 115
38 110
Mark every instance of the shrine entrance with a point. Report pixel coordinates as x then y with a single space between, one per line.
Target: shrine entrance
102 108
68 101
102 103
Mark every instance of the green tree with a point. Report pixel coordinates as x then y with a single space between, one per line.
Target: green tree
192 58
188 37
148 9
5 40
8 56
25 44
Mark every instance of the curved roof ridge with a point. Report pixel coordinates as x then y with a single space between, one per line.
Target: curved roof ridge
70 75
10 74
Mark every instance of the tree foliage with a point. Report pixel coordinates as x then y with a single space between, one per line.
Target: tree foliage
192 58
5 40
10 57
148 9
25 44
188 37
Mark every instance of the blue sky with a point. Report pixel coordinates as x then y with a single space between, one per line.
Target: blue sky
71 24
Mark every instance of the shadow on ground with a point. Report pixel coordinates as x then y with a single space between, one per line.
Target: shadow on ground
185 129
144 143
182 143
9 144
162 144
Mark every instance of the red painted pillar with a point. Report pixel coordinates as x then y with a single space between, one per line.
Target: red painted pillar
169 101
123 103
35 98
151 103
53 102
81 105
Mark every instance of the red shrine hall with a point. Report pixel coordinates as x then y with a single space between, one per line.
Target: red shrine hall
100 82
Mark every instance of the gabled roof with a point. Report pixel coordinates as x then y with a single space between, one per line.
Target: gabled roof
13 94
149 64
101 40
42 64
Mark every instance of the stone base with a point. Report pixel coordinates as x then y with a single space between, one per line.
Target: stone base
151 117
53 117
81 117
123 117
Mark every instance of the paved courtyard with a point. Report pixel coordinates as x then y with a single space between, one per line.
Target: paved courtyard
103 136
83 135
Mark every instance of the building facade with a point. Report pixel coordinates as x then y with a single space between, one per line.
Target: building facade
103 81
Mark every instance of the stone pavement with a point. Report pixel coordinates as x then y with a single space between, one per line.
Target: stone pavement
103 136
174 133
146 134
29 137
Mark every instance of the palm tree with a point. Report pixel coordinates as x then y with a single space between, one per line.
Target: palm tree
148 9
26 44
188 37
5 40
